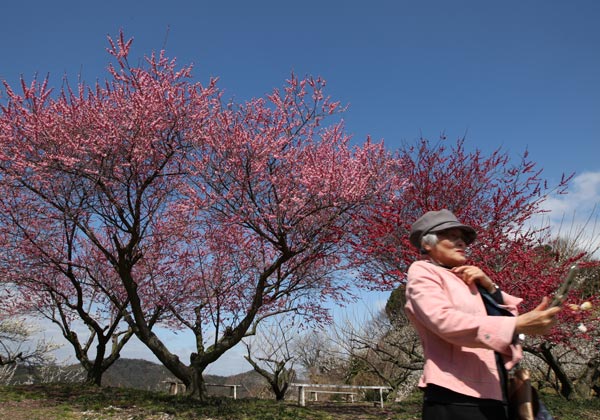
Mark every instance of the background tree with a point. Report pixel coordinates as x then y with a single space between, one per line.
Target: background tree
491 193
55 276
17 344
63 230
384 349
572 366
321 357
87 181
208 217
271 354
19 347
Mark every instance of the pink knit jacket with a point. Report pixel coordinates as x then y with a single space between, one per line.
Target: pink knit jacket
458 337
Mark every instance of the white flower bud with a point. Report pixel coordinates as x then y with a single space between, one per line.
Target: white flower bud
586 306
582 328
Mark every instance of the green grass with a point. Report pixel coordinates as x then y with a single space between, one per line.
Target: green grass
78 402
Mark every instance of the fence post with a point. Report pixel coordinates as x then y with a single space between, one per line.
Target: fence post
301 400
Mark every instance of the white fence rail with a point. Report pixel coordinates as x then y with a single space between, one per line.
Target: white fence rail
334 389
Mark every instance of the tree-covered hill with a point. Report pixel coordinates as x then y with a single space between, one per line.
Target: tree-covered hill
141 374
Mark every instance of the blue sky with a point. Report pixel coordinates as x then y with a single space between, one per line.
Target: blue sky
514 74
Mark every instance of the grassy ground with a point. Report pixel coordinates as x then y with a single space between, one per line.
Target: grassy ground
76 402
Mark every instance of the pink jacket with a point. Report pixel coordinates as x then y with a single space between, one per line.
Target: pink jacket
458 337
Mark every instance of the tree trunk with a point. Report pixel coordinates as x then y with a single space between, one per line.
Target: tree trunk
94 375
197 386
191 375
567 388
280 391
590 380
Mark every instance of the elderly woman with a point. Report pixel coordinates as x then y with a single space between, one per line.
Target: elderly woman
468 327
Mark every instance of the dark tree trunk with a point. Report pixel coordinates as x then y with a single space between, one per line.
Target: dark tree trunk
94 376
567 388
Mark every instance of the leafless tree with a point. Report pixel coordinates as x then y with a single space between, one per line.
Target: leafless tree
383 349
16 337
271 355
18 347
574 370
322 358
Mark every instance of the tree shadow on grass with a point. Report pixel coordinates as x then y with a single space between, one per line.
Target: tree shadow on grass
368 410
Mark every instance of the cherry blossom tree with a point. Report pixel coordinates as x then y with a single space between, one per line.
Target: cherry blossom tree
495 195
175 208
53 275
274 195
86 179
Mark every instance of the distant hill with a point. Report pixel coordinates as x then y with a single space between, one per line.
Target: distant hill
138 374
143 374
146 375
252 384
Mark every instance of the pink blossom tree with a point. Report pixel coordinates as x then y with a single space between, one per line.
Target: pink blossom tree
199 215
51 274
87 184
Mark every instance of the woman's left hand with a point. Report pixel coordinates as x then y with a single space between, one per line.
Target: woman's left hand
472 274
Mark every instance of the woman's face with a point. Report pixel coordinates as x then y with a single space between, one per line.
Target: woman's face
450 248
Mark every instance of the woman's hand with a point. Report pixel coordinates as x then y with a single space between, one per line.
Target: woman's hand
472 274
539 321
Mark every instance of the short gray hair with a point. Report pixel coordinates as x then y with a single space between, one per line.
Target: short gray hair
429 239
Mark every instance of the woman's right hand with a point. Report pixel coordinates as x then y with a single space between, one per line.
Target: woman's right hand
539 321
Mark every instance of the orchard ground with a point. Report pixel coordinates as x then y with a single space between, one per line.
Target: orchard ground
76 402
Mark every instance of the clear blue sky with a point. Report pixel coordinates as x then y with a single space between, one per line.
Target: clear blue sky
512 74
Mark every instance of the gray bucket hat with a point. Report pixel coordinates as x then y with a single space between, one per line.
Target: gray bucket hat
436 221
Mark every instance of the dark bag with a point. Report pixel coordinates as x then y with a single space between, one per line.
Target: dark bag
520 395
523 400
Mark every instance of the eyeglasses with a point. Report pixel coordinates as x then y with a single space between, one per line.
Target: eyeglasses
452 236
